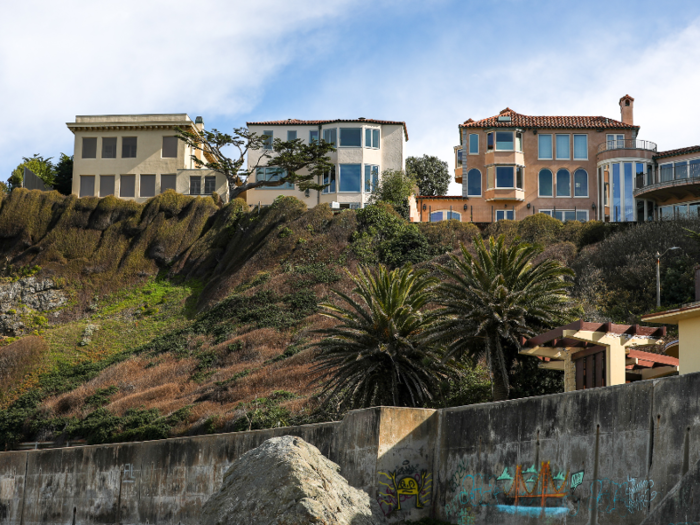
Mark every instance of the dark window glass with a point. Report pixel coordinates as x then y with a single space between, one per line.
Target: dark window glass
168 182
563 183
694 168
351 137
148 186
106 185
128 147
681 170
268 139
519 178
89 147
504 140
313 136
195 185
581 183
436 216
291 135
170 147
489 141
474 183
87 185
473 143
109 148
505 177
350 177
460 154
546 185
127 186
209 184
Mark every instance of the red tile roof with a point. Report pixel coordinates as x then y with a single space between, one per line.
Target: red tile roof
676 152
297 122
529 121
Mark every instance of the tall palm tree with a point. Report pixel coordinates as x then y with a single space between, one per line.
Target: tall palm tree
376 354
491 300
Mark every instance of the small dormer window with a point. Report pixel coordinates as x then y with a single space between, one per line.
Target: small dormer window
627 102
504 118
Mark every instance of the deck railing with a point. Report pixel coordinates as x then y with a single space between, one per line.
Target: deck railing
627 144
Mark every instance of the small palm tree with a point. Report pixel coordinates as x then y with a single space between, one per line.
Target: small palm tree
376 354
491 300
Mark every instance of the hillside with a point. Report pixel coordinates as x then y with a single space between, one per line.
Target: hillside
126 321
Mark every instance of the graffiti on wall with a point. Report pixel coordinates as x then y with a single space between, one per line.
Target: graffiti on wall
542 491
403 484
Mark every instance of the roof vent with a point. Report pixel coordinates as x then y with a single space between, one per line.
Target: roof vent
361 118
199 120
504 118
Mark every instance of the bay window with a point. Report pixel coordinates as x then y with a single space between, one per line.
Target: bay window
350 178
681 169
694 168
371 178
372 138
350 137
505 177
504 141
489 141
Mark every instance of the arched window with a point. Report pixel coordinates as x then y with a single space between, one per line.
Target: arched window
580 183
546 184
474 183
453 215
563 183
436 216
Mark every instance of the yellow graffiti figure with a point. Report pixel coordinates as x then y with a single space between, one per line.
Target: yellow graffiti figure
408 486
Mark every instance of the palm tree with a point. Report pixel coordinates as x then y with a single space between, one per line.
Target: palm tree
376 354
491 300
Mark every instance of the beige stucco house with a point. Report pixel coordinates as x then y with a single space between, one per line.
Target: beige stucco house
365 149
136 157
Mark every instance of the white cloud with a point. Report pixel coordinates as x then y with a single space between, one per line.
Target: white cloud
59 59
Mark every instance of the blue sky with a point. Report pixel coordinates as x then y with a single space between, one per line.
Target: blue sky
432 64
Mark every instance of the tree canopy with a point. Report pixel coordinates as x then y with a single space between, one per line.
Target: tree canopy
431 174
63 181
394 187
290 157
41 167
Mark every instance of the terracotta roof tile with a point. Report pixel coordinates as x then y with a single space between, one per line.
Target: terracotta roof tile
676 152
297 122
529 121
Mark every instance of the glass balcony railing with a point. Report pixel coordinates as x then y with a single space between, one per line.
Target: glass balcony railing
670 174
627 144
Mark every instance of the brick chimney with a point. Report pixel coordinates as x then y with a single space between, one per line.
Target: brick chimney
627 110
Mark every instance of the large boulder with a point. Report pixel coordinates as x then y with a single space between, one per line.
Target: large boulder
286 481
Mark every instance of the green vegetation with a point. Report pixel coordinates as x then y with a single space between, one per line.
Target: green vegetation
394 188
430 173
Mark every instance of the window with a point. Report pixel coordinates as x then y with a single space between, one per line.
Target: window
109 148
291 135
489 141
372 138
148 186
474 144
87 185
518 141
563 152
89 147
168 182
350 178
616 141
268 139
505 177
546 183
460 157
195 185
371 178
580 147
209 184
580 183
563 183
666 172
694 168
436 216
128 147
272 174
628 195
519 177
169 147
474 183
313 136
508 215
453 215
615 213
127 186
504 141
544 147
329 179
106 185
329 135
351 137
665 212
681 169
694 210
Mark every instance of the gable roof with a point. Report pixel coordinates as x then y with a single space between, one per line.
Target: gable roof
297 122
676 152
529 121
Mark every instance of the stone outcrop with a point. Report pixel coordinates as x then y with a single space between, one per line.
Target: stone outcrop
286 481
40 295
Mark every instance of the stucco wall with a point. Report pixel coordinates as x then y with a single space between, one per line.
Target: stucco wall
605 455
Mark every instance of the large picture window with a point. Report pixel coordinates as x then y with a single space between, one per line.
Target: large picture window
546 183
504 141
272 174
544 145
563 183
350 137
351 178
473 144
474 183
505 177
580 183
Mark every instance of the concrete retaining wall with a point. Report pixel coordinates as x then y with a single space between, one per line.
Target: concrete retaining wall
605 455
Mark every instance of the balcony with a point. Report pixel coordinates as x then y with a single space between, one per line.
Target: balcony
627 144
504 194
670 182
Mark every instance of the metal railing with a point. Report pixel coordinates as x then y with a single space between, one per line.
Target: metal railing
669 175
627 144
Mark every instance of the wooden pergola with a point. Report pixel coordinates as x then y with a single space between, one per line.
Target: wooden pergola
601 354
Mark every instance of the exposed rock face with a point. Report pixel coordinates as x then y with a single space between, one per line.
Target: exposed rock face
286 481
28 292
